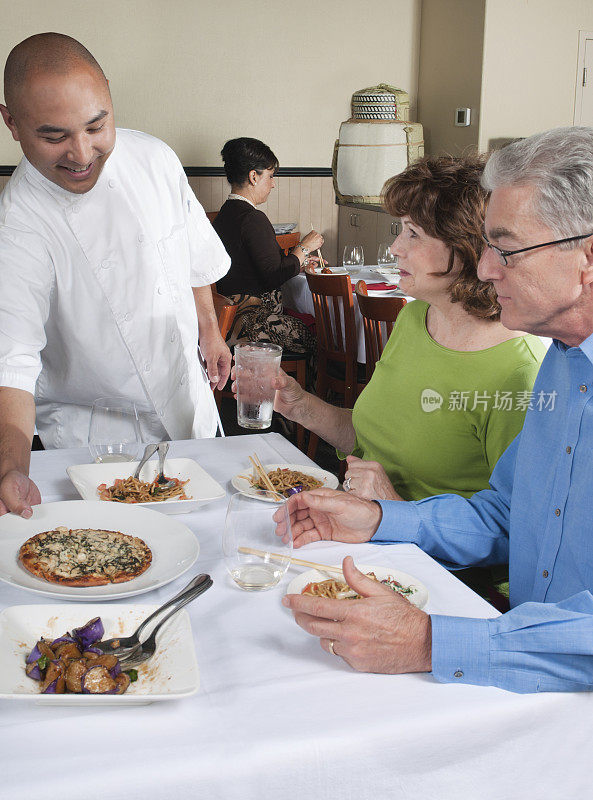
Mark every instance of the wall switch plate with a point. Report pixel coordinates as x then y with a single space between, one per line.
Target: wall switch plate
462 117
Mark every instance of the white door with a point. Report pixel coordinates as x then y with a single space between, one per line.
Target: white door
583 107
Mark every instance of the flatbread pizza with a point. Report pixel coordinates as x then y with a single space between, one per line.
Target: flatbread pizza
85 556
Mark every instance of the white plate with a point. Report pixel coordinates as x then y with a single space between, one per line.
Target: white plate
419 598
332 271
388 272
170 674
242 484
384 292
202 488
174 547
281 228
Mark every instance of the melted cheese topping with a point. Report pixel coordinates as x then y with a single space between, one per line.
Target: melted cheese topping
84 552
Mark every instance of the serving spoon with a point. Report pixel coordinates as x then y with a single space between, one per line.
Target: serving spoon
162 481
149 451
123 646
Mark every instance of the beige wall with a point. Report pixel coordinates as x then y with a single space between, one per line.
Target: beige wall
197 72
530 62
450 72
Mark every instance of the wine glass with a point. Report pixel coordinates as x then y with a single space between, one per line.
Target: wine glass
255 557
353 256
385 257
114 430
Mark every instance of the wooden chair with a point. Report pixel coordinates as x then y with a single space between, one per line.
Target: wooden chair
337 348
378 315
211 215
293 364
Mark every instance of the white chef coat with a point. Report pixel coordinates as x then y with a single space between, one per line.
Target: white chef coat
95 293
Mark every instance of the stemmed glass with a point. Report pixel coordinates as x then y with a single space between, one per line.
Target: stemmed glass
255 557
385 257
114 430
353 256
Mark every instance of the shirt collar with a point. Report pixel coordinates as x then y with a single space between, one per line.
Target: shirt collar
586 346
233 196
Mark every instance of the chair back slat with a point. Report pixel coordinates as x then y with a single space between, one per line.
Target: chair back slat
336 326
225 313
378 316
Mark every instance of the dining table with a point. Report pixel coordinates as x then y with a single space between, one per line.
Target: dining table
297 297
275 716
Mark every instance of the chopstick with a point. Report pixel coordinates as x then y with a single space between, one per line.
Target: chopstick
300 561
263 476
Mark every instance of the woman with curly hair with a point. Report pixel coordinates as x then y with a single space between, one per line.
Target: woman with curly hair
451 389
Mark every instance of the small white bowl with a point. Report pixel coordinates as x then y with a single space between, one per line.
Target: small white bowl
201 487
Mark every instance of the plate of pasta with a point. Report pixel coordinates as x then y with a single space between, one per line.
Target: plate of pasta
286 479
318 583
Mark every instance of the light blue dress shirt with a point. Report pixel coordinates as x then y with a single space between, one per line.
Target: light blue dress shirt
538 514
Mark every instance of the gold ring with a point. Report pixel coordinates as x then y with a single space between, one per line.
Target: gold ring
331 647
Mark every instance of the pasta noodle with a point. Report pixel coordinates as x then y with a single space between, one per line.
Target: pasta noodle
283 480
133 490
339 590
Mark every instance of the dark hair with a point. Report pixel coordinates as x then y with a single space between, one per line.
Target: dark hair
242 155
443 195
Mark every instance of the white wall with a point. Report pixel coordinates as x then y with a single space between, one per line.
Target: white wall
198 72
530 62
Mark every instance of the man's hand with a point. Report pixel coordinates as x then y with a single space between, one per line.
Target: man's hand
218 358
18 493
382 632
368 479
326 514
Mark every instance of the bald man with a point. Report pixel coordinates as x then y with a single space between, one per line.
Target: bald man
106 261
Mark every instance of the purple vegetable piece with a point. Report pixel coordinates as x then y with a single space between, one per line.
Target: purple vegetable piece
94 650
295 489
65 639
33 671
114 671
51 689
34 655
90 633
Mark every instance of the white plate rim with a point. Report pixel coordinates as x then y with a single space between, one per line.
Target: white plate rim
298 583
140 585
185 644
314 471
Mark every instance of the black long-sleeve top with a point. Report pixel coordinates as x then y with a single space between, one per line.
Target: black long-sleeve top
258 263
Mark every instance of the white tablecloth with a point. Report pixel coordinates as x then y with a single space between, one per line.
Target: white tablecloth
277 717
296 295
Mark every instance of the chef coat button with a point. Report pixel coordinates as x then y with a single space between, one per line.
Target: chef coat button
106 264
458 674
111 183
160 289
569 449
147 367
127 317
141 237
545 573
161 413
557 512
182 381
173 337
583 387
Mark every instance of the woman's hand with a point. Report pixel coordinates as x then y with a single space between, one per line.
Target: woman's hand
368 480
312 241
290 396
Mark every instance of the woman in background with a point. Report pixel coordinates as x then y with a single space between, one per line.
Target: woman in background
259 266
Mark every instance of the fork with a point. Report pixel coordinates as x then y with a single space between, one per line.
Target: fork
163 482
147 648
123 646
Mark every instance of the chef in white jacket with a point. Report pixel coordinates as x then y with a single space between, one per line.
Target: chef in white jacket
106 261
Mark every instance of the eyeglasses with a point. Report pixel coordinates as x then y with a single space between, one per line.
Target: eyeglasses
504 254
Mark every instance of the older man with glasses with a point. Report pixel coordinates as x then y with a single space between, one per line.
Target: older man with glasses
538 511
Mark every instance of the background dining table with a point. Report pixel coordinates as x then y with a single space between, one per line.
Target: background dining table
296 296
276 716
